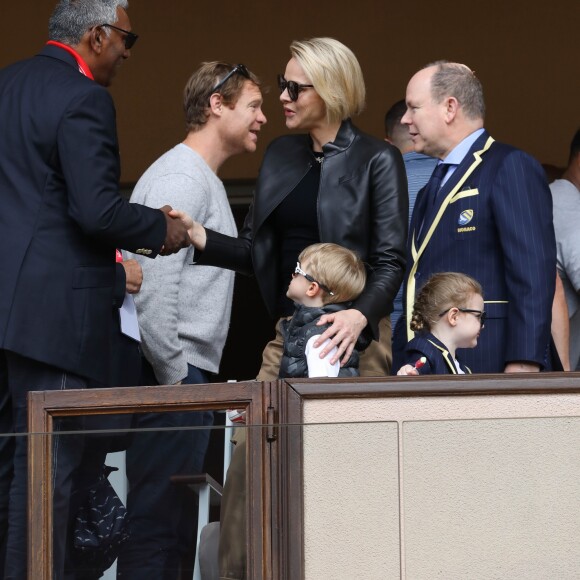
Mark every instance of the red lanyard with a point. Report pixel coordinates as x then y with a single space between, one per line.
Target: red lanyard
83 67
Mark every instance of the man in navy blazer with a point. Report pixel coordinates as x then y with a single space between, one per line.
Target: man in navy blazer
491 219
61 219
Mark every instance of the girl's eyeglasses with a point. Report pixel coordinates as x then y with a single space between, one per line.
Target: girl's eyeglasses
481 315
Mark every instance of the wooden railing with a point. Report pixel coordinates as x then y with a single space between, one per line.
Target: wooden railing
284 451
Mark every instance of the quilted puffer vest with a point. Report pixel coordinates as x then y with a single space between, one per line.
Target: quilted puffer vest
299 329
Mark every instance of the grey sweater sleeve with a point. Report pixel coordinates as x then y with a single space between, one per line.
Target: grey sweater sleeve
163 281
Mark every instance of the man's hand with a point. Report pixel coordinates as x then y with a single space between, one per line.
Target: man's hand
133 276
344 332
177 236
521 367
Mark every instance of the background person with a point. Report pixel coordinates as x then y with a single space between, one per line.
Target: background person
330 184
184 313
418 168
560 327
566 199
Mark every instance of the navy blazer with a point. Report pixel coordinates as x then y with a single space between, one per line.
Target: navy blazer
62 216
439 360
492 221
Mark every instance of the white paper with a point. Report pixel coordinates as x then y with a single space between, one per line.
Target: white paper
128 316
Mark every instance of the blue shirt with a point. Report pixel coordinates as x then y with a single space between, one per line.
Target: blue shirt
459 152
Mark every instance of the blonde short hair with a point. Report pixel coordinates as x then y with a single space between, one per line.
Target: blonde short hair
338 268
441 292
335 72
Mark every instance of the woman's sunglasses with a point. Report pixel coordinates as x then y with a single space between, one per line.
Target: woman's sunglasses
294 88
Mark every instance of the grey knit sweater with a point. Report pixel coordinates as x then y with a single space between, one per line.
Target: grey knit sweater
184 310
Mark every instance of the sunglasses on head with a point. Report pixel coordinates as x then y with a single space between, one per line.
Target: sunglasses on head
294 89
130 38
239 68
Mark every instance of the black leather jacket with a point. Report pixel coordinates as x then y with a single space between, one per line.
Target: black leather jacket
362 205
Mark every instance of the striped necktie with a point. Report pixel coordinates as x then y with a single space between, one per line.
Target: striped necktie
434 184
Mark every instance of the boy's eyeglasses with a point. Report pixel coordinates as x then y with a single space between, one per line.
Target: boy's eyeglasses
239 68
294 88
481 315
130 38
299 270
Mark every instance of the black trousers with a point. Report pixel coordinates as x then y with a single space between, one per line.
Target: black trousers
18 376
162 515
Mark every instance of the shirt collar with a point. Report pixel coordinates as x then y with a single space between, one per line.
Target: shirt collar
459 152
83 66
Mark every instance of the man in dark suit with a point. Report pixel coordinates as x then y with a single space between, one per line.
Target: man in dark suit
490 217
62 218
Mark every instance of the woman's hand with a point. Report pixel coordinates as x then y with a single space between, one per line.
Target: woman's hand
195 230
344 332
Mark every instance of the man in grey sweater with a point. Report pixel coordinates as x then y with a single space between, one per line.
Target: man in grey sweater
184 311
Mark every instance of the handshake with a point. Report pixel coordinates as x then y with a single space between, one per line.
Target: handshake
180 231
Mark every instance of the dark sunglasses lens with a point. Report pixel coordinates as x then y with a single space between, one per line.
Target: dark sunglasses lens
483 318
293 90
291 86
281 83
130 40
243 70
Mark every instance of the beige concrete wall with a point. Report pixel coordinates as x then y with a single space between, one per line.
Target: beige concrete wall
442 487
351 524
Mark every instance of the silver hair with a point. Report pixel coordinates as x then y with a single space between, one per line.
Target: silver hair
452 79
72 18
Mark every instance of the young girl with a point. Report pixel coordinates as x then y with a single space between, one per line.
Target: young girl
448 314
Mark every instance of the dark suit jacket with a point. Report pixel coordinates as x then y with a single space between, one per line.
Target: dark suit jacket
493 221
62 216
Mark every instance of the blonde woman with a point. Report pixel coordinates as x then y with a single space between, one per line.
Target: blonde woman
329 183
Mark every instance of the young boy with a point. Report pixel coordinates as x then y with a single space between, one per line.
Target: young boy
327 278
